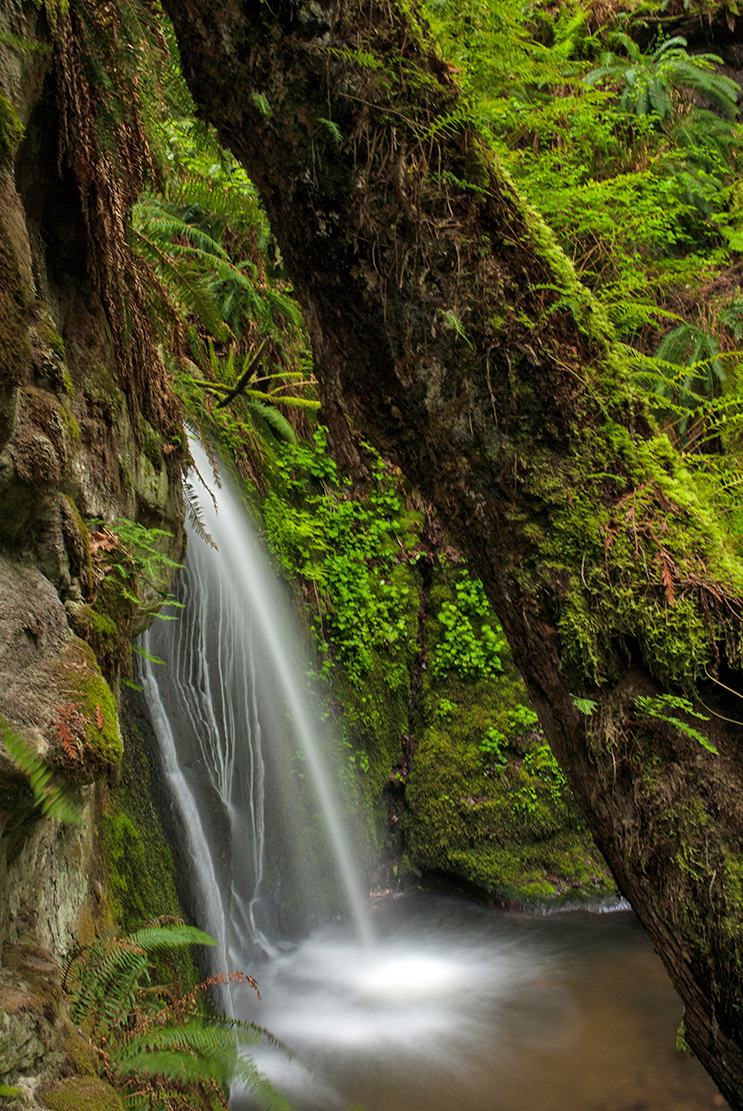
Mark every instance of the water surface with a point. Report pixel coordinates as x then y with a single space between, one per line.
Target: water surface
460 1008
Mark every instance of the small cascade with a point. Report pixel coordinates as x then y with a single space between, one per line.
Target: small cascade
236 733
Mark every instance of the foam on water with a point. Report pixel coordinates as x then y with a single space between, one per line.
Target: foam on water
465 1009
427 1000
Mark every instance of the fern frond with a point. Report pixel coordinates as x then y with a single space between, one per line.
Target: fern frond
160 220
235 203
195 515
307 403
275 420
54 801
193 1053
184 283
105 979
156 939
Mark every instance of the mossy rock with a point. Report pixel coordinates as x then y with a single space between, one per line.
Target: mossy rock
14 346
375 717
139 867
77 545
90 689
485 802
78 1051
507 831
11 128
84 735
51 417
81 1093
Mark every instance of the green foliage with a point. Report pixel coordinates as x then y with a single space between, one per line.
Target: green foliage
542 764
660 708
54 800
491 747
134 554
470 650
585 705
162 1049
610 143
485 800
221 305
346 544
681 1046
650 81
333 130
103 980
518 721
522 719
446 709
11 128
692 387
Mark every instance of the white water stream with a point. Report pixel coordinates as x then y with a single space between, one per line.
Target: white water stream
441 1005
234 634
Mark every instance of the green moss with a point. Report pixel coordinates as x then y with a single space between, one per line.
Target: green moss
634 558
49 335
90 691
84 1093
71 426
375 718
485 800
102 625
14 345
55 355
152 443
537 889
127 865
109 624
139 864
77 545
11 128
78 1051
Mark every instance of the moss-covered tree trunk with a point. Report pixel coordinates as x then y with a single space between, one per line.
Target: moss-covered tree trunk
448 325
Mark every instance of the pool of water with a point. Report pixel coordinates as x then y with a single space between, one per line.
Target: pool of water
459 1008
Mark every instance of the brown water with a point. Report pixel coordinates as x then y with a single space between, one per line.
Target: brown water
464 1009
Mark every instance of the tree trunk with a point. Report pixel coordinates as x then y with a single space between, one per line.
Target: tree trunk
450 327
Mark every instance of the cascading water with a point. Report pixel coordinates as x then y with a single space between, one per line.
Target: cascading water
453 1005
234 674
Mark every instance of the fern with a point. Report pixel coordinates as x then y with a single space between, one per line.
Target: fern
648 81
54 800
333 130
162 1057
275 420
194 514
661 708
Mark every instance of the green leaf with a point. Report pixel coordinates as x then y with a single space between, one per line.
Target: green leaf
659 706
585 705
57 801
140 651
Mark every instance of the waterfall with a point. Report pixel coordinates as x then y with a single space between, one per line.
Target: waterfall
230 711
456 1005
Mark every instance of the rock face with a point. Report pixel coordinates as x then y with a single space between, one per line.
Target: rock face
74 445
